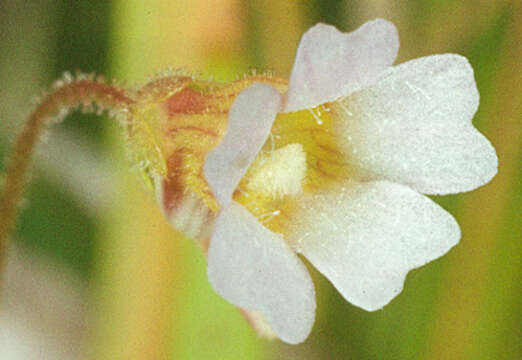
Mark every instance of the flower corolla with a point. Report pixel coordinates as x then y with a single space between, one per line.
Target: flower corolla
345 157
333 165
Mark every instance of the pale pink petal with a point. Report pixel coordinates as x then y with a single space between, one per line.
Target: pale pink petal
254 268
367 236
249 124
330 64
414 127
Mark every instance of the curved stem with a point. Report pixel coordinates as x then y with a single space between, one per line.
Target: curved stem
68 94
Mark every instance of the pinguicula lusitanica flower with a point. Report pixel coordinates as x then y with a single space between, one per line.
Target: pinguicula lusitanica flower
335 167
333 164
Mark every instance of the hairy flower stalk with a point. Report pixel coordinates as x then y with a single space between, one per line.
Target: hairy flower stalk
82 92
170 124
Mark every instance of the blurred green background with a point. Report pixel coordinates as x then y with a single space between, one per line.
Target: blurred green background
145 286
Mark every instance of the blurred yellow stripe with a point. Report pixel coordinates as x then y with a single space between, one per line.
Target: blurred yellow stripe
138 266
156 300
155 35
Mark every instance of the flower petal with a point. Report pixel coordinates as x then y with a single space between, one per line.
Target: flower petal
249 123
184 210
367 237
330 64
254 268
414 127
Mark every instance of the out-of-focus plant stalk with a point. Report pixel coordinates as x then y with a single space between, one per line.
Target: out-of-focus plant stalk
137 267
463 312
136 262
147 288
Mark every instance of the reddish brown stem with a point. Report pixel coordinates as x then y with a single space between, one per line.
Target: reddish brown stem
66 95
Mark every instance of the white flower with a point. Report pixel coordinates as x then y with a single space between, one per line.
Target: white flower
403 131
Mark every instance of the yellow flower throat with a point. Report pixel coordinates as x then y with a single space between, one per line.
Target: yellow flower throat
173 131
